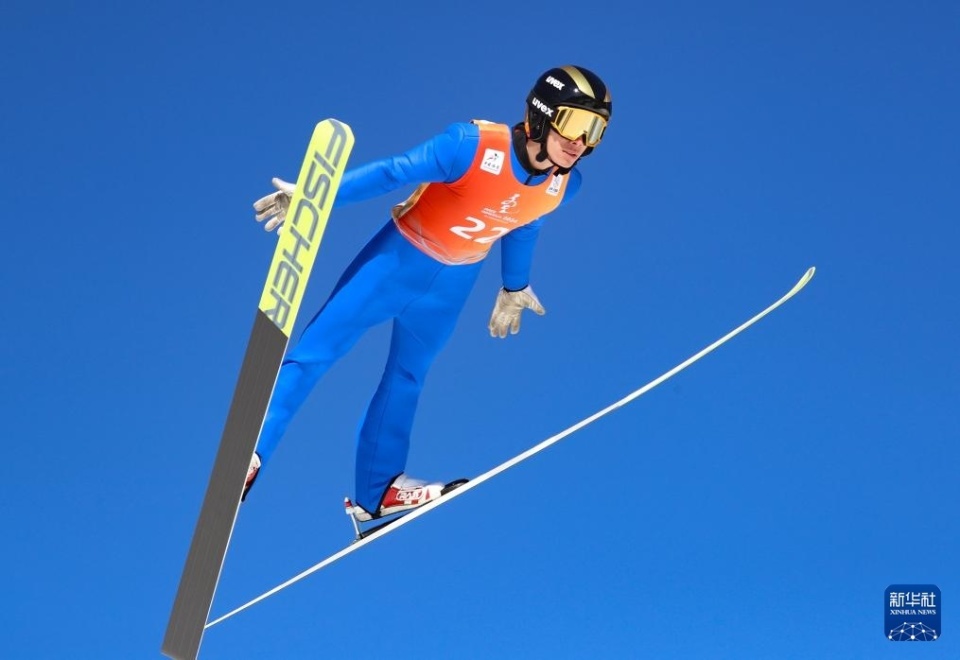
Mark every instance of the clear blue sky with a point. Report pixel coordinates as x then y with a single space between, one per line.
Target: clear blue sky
755 506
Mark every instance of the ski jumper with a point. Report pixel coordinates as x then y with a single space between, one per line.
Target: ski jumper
417 270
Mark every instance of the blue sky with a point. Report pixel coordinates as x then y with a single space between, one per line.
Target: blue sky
755 506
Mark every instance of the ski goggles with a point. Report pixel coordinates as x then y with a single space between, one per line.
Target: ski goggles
572 123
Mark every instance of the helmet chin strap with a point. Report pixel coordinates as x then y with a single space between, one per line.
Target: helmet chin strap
542 156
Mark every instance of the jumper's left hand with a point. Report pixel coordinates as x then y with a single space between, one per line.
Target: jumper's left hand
509 306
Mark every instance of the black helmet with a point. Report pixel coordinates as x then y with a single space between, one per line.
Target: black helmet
567 87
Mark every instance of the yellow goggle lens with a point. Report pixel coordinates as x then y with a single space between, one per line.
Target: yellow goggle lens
572 123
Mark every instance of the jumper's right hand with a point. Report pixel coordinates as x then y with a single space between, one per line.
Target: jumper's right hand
274 206
507 310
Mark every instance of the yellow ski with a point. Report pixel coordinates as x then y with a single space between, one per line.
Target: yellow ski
293 259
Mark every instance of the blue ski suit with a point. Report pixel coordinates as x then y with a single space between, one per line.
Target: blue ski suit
392 279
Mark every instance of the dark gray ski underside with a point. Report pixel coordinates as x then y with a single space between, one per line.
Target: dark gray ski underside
218 514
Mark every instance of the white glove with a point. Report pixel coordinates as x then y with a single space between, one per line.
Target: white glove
275 205
506 313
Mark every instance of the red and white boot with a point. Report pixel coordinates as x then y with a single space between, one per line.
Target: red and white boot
252 473
403 494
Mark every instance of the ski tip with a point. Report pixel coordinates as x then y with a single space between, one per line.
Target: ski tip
802 282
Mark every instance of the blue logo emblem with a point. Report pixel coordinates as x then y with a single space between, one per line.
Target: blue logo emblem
912 613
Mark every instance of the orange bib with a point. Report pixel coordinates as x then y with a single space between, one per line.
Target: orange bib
457 223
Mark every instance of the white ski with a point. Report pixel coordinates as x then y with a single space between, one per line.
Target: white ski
383 530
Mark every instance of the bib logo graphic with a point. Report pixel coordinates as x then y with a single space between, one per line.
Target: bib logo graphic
912 613
554 188
503 214
492 161
508 204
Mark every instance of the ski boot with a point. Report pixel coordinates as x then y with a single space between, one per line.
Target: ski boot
252 473
403 494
